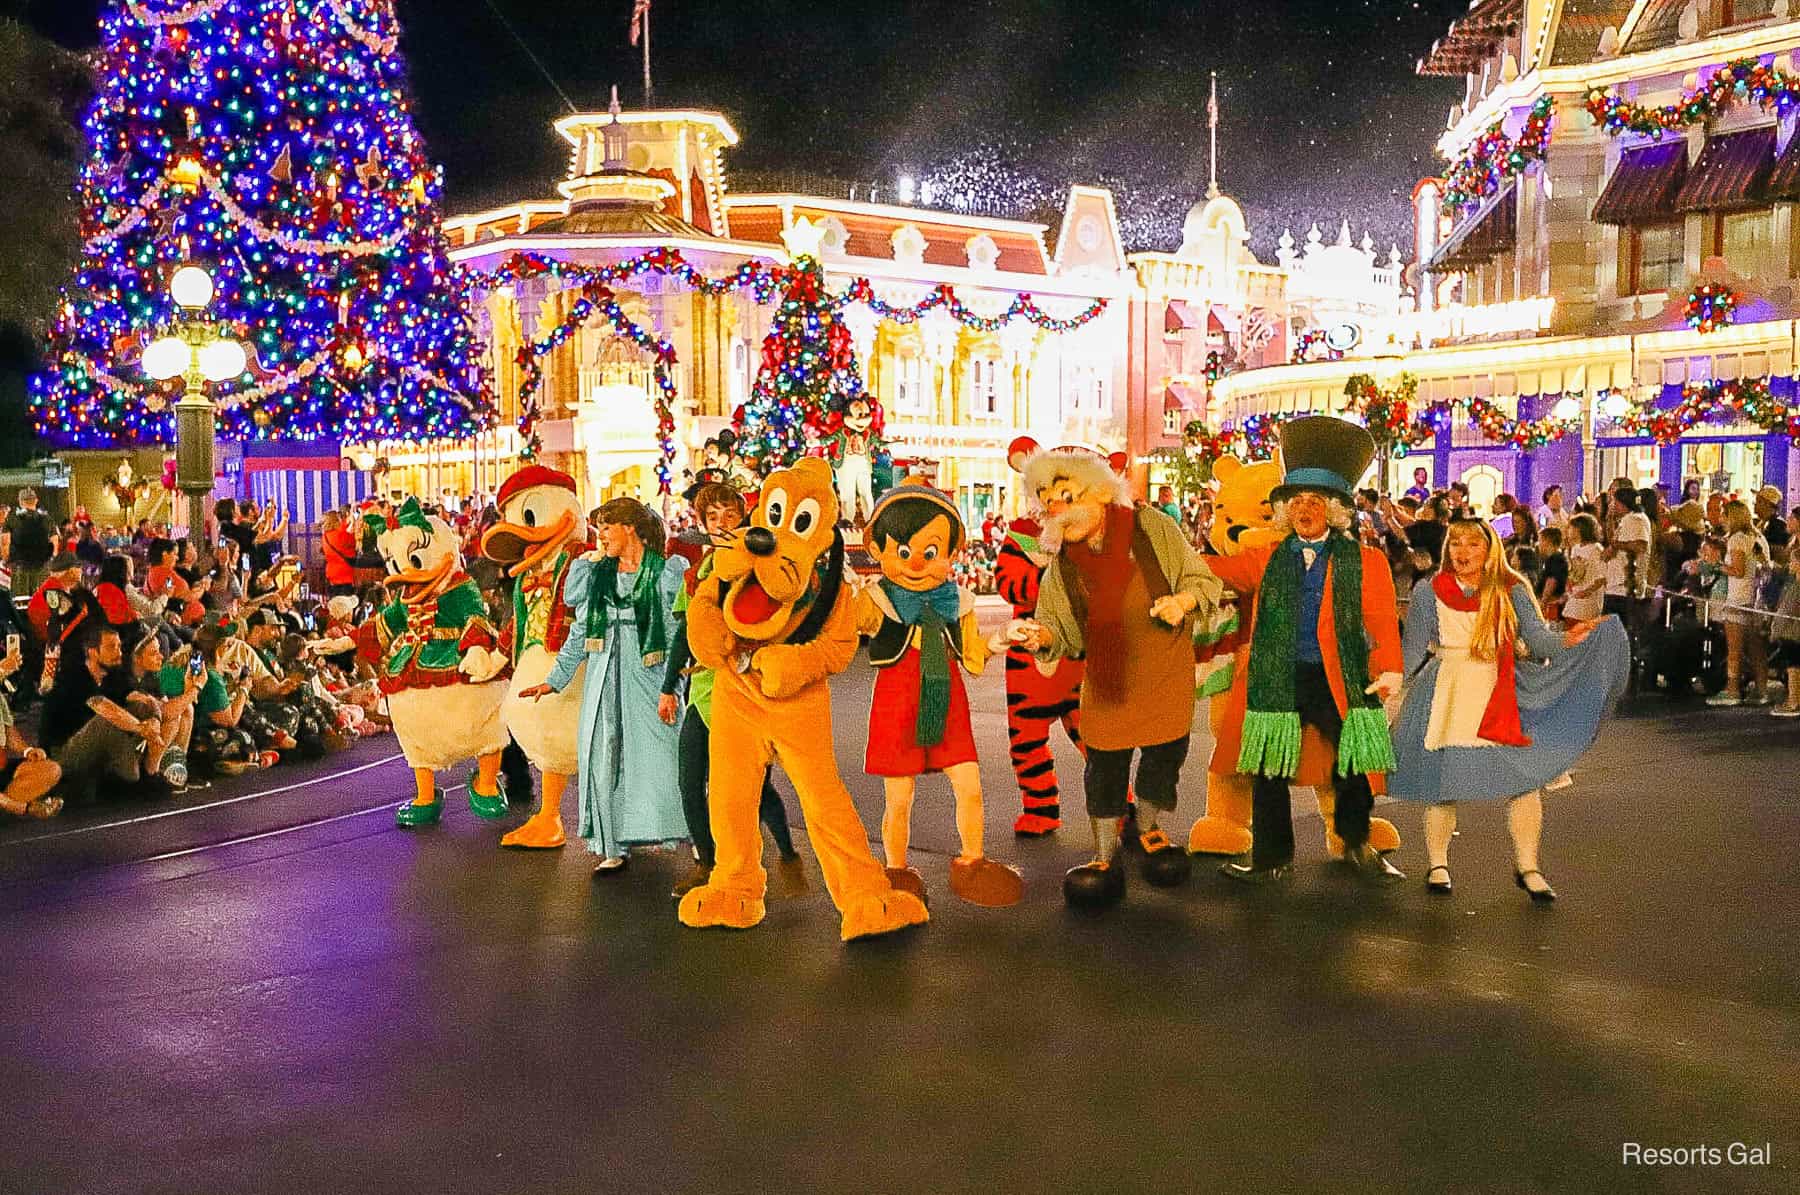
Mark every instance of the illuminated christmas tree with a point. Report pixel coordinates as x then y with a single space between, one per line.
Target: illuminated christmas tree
809 373
270 142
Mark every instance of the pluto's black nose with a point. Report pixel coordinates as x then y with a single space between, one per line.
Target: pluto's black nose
760 541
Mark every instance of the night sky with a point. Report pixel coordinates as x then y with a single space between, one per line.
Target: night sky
1007 100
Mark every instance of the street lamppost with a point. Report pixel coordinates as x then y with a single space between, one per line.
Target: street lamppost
199 351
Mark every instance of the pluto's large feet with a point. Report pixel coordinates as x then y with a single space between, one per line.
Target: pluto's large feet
1218 836
707 907
543 831
881 912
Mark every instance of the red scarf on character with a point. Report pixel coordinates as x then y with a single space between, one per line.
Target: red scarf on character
1500 723
1106 573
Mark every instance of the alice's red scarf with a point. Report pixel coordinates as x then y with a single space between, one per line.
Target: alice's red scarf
1104 575
1500 722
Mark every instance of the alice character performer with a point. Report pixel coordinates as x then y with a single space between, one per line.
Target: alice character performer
921 624
774 620
438 661
540 532
719 510
623 601
1324 651
1503 704
1123 591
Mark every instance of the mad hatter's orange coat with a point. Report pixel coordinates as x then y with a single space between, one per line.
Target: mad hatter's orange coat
1381 625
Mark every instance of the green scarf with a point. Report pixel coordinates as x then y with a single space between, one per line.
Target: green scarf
645 601
1271 738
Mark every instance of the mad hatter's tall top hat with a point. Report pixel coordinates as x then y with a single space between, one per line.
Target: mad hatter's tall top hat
1324 455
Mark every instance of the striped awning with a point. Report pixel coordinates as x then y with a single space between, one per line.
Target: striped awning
1784 179
1492 229
1733 172
306 494
1644 186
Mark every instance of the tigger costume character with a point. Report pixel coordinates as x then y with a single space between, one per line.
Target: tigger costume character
773 618
1038 695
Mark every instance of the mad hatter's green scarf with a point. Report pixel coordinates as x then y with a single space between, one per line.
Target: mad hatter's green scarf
1271 739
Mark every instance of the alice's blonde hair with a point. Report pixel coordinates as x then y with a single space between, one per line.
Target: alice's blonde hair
1496 622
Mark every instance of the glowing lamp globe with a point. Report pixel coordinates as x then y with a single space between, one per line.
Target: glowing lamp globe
1567 408
223 360
167 357
1614 405
191 287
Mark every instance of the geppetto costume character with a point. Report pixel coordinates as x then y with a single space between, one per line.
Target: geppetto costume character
1039 694
773 619
1305 699
541 530
622 602
438 661
1501 704
921 624
1243 520
1123 591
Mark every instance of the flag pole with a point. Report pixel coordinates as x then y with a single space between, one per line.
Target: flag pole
1212 120
649 91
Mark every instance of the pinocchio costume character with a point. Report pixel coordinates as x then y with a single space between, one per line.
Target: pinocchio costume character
437 660
921 625
1306 697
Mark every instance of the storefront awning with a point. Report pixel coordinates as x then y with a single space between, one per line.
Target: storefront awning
1733 172
1784 179
1179 396
1177 317
1491 230
1644 186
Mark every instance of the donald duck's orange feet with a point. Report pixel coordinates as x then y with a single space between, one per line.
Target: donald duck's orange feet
542 832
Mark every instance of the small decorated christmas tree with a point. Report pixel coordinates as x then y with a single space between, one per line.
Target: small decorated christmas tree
809 374
270 142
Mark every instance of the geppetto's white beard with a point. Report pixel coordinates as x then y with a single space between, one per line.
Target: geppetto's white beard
1055 530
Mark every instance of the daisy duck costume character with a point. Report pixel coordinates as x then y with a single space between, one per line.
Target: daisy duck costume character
1305 704
1123 590
921 625
540 533
439 663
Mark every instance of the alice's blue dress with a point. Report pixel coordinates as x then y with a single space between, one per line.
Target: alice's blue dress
1563 694
629 789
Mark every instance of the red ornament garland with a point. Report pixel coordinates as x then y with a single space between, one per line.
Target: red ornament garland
1711 306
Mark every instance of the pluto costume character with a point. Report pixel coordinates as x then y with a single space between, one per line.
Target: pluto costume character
1244 521
438 662
774 618
541 530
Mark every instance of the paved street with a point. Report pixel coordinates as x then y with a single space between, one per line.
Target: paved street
288 994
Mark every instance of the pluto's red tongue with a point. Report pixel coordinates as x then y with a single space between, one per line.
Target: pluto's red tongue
753 605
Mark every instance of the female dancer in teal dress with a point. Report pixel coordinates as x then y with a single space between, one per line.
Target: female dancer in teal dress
623 599
1500 704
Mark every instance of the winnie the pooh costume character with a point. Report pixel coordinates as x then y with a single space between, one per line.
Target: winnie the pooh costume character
1244 521
773 618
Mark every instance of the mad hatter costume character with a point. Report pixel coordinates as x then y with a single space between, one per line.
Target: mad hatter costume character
1123 591
921 625
540 532
1324 649
1502 703
437 660
623 600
